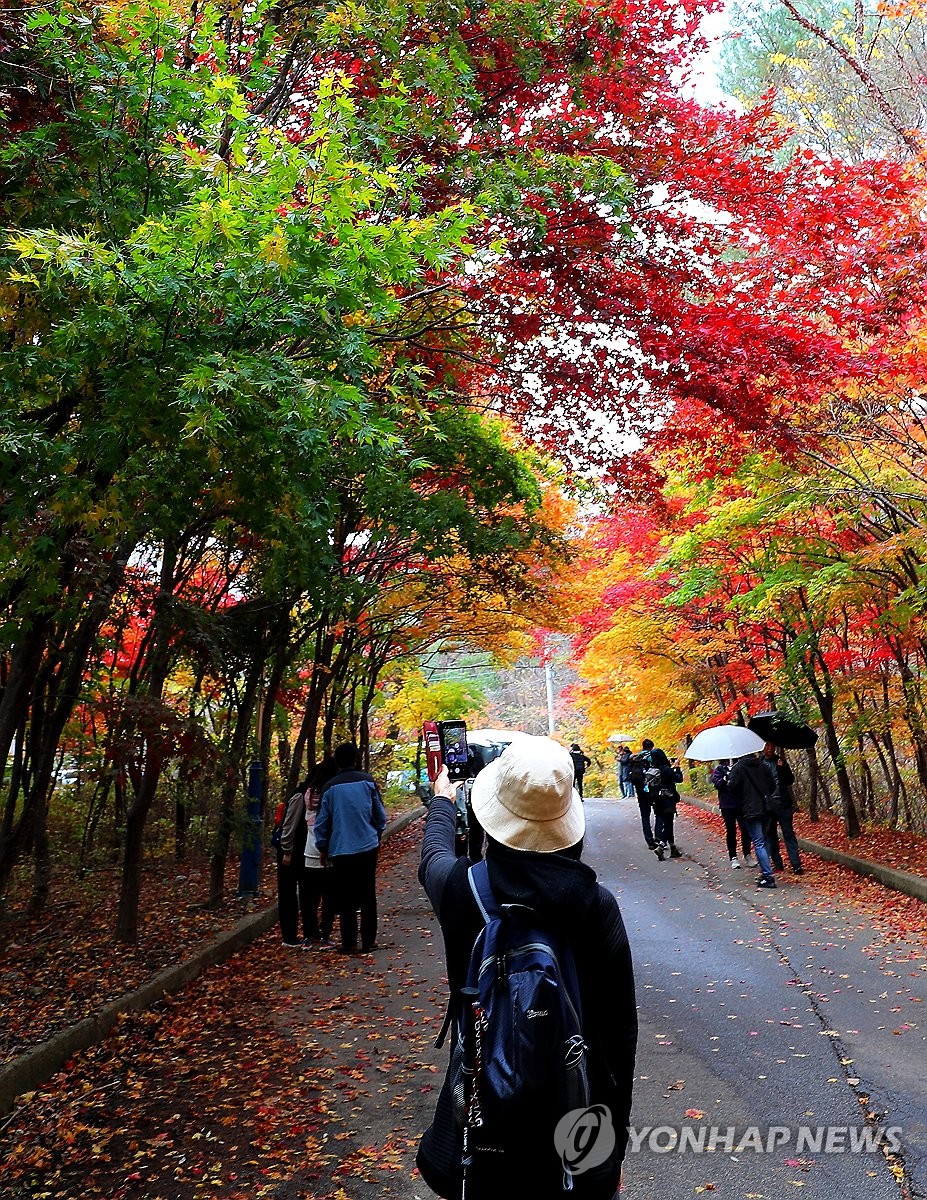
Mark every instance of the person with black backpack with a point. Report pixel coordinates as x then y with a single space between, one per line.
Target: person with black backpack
638 766
664 796
541 1015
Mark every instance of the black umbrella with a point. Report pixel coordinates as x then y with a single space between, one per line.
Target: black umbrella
783 730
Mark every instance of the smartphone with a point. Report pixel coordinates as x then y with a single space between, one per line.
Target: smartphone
432 742
455 752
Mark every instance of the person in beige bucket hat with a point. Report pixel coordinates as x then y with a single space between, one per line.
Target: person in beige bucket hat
526 799
535 823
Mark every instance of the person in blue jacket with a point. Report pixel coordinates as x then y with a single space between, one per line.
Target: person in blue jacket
348 828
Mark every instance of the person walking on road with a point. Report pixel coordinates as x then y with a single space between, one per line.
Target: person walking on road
664 797
780 815
750 782
626 787
534 821
348 828
637 768
730 814
580 763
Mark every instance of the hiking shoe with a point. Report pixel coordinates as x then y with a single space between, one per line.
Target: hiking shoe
766 883
660 851
735 864
674 853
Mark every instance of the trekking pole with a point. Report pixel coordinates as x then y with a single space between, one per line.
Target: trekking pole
472 1064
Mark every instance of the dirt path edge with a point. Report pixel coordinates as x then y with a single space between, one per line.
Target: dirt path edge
37 1065
900 881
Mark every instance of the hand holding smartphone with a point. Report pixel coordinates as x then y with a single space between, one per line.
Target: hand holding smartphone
446 746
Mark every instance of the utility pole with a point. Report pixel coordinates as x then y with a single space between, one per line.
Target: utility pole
549 684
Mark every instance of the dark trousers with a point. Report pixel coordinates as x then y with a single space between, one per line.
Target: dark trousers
731 823
320 895
356 888
646 807
782 821
663 825
292 898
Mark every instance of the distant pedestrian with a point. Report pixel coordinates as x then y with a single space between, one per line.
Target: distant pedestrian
534 823
626 787
781 809
292 885
348 828
319 911
651 773
750 783
580 763
729 805
664 797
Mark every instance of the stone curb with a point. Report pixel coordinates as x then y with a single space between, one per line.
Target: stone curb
32 1068
900 881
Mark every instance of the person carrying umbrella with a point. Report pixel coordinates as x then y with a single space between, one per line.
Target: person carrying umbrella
729 806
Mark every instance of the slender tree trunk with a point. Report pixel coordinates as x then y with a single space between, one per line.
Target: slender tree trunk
157 669
133 846
814 783
237 751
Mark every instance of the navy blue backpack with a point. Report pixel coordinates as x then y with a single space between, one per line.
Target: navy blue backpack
519 1060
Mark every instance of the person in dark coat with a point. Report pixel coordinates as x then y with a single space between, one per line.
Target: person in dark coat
750 782
624 773
636 764
534 822
730 815
781 818
580 763
664 798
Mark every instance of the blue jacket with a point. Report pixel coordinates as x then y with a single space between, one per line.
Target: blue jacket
351 815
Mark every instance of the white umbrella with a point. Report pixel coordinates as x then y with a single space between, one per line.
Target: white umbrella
621 737
724 741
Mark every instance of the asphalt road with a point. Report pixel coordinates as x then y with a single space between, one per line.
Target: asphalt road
761 1010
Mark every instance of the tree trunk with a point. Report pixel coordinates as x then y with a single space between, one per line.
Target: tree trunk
131 890
814 783
237 751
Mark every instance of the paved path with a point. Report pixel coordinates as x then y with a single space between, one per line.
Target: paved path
762 1009
758 1010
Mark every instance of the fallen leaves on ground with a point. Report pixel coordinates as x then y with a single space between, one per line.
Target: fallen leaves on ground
252 1082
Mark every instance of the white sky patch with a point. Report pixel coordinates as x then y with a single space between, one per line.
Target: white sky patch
703 84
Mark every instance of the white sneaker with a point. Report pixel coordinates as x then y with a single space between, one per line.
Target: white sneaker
749 861
735 864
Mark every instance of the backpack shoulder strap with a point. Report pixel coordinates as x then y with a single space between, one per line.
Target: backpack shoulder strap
478 878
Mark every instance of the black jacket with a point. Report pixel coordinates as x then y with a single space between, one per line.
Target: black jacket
563 891
752 783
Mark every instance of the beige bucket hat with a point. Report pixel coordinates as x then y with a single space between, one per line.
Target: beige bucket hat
525 799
